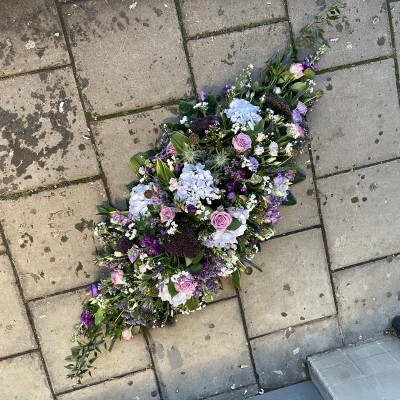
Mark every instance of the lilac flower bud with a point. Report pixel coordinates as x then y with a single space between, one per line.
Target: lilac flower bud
93 289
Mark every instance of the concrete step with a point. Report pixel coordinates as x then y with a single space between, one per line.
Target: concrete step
368 371
300 391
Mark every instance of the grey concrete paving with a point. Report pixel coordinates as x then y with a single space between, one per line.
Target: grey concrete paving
51 238
368 297
141 385
30 36
23 377
207 16
205 363
369 123
55 319
217 60
364 372
15 330
361 33
327 284
127 58
275 298
43 132
138 132
300 391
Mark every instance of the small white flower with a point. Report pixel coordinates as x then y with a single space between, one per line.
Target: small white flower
289 149
184 120
273 149
277 90
258 150
260 137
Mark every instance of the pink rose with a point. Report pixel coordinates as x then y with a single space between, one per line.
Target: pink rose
297 70
241 142
185 284
220 220
117 277
127 334
300 131
167 214
170 149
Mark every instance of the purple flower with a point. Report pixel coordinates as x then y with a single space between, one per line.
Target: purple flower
167 213
177 168
93 289
231 196
220 220
202 95
230 186
254 164
191 208
299 112
241 142
185 283
272 216
118 218
133 254
87 318
225 90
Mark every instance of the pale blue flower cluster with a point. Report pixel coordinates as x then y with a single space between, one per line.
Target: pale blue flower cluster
195 184
138 202
243 114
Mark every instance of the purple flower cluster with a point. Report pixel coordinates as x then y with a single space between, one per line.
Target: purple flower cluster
118 218
87 318
151 244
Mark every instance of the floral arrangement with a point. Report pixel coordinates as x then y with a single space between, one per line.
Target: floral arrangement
206 196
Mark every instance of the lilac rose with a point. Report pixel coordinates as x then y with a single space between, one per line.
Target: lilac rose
167 214
117 277
241 142
220 220
185 283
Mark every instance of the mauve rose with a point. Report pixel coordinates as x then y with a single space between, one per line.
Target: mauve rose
297 70
220 220
167 214
185 284
170 149
241 142
126 334
117 277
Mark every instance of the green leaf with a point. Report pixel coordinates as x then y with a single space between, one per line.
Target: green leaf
171 289
136 330
99 316
236 279
309 73
105 208
194 268
299 86
198 256
136 162
299 176
212 104
258 128
188 261
192 304
186 108
290 200
164 174
235 224
180 142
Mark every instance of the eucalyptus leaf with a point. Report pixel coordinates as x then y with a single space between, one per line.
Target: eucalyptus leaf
290 200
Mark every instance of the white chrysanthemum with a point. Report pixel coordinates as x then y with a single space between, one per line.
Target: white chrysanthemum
243 114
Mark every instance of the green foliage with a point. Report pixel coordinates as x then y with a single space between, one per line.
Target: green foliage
164 174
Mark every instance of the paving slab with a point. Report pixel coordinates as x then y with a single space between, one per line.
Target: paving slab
118 139
300 391
368 298
55 319
50 237
218 60
294 286
15 333
361 32
23 378
395 9
207 16
280 356
195 358
124 56
237 394
42 129
360 212
369 122
141 385
31 37
305 213
2 246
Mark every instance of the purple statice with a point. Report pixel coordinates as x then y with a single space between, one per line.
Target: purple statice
118 218
226 89
87 318
254 164
177 168
190 208
231 196
94 289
